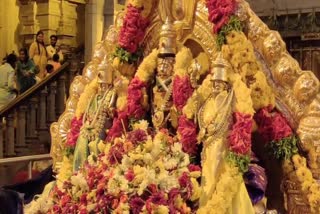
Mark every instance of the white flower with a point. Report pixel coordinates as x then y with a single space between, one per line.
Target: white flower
170 163
113 186
167 182
176 148
79 181
92 159
184 160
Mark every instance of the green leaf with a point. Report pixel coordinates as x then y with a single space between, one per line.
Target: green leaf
126 56
283 149
234 24
240 161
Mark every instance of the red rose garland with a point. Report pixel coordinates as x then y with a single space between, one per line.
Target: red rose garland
182 90
187 130
74 132
240 135
133 30
275 129
220 12
135 96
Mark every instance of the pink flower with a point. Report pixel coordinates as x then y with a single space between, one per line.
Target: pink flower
194 168
117 127
220 12
182 90
137 136
116 153
272 125
133 30
158 198
136 204
185 183
129 175
74 131
240 135
135 97
187 131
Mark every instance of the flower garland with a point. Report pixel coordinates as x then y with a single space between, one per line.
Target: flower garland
131 34
309 186
76 121
182 91
274 128
240 141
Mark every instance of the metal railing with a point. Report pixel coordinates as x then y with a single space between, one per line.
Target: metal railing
30 159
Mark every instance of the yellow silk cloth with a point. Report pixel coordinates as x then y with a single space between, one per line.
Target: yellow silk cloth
213 165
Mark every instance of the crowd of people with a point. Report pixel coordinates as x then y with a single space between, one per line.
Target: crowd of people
19 73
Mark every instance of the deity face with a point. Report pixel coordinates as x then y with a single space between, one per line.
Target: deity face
165 67
306 87
219 86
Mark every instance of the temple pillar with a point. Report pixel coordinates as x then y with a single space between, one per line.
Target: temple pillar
94 24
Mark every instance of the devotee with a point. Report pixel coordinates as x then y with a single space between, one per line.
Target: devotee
7 84
53 48
26 71
55 62
49 69
38 54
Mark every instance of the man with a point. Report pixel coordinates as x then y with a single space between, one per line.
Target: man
53 48
7 80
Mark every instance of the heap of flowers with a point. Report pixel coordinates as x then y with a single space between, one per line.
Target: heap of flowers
136 173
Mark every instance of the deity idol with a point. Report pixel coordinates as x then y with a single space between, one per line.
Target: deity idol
97 117
162 90
214 119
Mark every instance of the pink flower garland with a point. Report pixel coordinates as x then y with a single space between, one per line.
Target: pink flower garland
117 126
74 132
133 30
187 130
240 135
272 125
135 96
220 12
182 90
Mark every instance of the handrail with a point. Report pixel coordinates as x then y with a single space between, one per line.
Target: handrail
25 158
30 159
19 99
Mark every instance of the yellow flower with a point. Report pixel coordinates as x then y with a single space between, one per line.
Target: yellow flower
162 210
195 174
261 93
85 97
183 59
315 188
235 37
148 66
305 186
304 174
242 94
287 166
299 161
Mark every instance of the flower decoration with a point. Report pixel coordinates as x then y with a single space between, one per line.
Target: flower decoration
272 125
220 12
139 173
133 29
73 134
187 131
182 90
135 96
